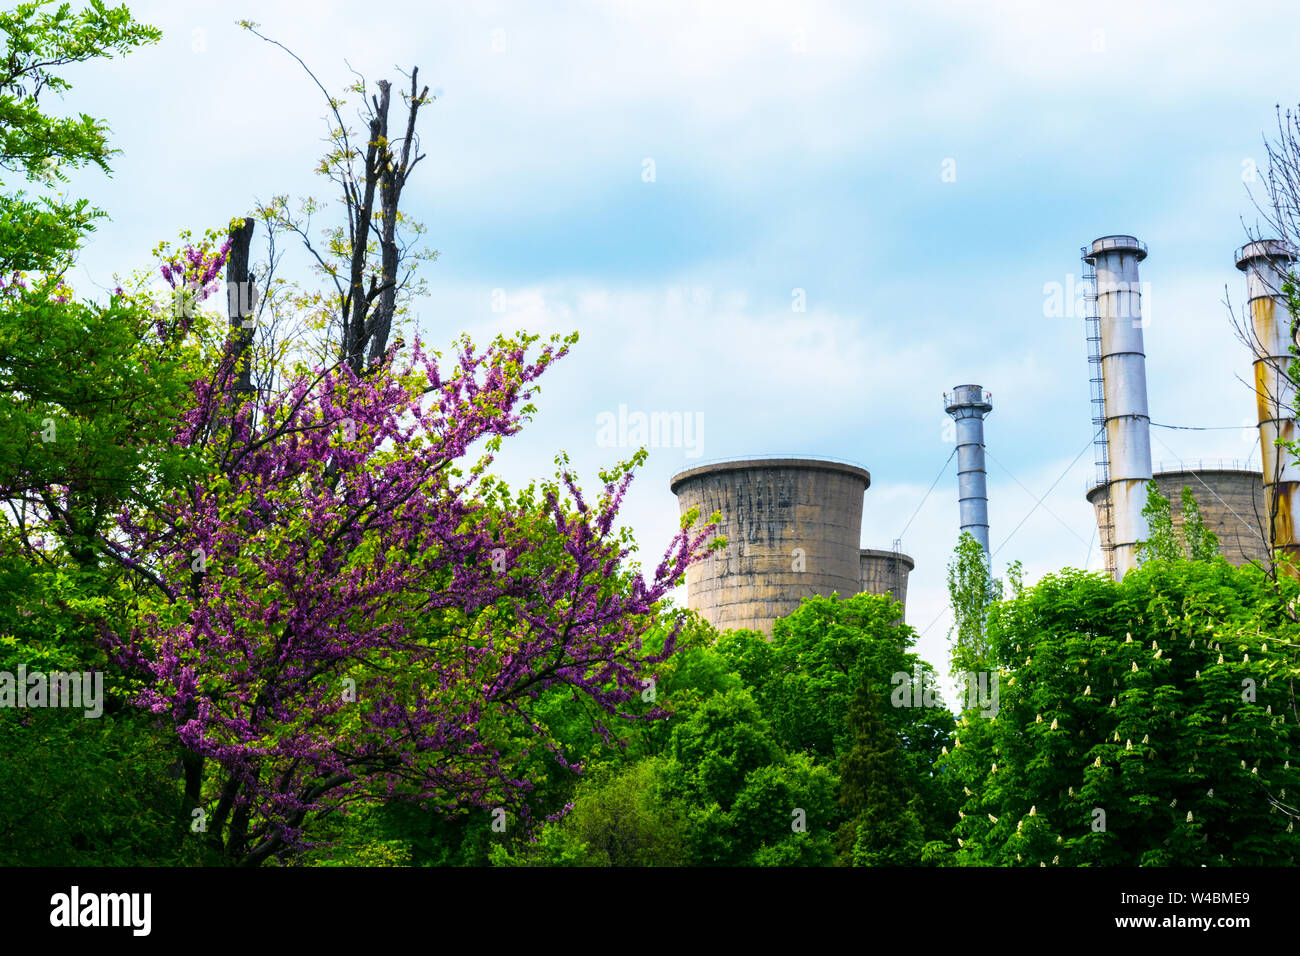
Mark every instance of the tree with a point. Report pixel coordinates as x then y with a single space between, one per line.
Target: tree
384 628
1164 542
807 678
971 589
327 604
336 610
885 813
74 444
1201 543
369 262
1150 721
76 447
41 237
622 819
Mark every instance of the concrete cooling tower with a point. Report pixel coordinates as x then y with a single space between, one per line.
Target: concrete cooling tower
1231 501
793 528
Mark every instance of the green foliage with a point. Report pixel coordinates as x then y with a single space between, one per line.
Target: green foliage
399 833
971 589
621 819
80 791
807 675
77 446
77 790
1164 542
885 812
1161 542
1201 543
1160 707
42 236
744 773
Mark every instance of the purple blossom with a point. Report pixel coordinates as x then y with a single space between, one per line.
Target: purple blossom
343 542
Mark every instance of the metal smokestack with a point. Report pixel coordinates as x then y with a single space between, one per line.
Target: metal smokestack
1124 390
1266 264
968 405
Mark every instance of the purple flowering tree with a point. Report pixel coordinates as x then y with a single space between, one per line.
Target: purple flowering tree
346 607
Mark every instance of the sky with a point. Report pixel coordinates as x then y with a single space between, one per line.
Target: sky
796 223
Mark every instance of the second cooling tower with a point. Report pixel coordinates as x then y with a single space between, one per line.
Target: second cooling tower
792 527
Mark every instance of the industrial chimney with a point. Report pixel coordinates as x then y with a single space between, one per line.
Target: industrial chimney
968 405
1266 264
1124 462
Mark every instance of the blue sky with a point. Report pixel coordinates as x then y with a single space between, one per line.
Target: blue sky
795 146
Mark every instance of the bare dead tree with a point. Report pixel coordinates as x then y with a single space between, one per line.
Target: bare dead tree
370 262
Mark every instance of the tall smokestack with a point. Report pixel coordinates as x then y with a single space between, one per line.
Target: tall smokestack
1124 383
968 406
1266 264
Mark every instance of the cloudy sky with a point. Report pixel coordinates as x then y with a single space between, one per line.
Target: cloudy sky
674 179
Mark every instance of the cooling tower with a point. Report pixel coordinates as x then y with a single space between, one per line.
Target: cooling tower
1231 502
792 526
885 572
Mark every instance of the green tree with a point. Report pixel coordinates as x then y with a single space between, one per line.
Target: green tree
1145 722
806 678
1201 543
43 235
78 445
744 771
623 819
885 812
971 589
1164 541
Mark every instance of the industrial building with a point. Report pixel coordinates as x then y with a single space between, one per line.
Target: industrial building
793 528
1249 510
793 525
968 406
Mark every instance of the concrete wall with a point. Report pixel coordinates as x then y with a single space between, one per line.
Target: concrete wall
1228 491
793 528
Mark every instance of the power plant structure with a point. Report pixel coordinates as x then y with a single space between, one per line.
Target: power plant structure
969 405
793 528
1266 263
794 525
1113 312
1239 504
